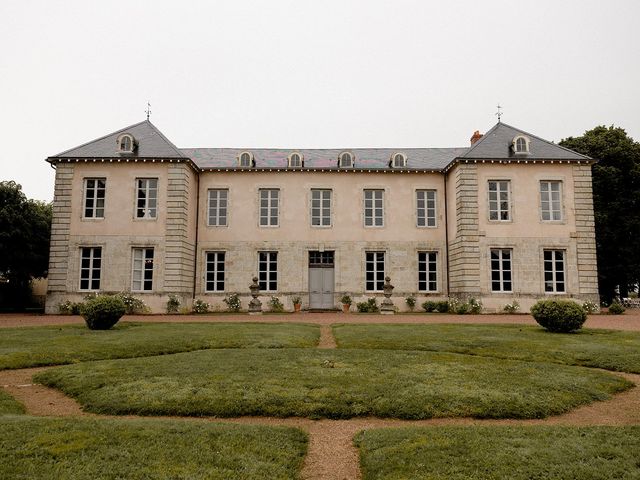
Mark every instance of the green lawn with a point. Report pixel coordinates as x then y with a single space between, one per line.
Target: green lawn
82 449
38 346
514 453
8 405
335 384
608 349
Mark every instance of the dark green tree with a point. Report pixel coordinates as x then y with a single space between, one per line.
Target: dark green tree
616 198
25 229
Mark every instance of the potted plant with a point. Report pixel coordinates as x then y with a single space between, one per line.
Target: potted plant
297 303
346 303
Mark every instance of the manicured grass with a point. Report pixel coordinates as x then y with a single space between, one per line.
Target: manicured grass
516 453
38 346
8 405
335 384
82 449
608 349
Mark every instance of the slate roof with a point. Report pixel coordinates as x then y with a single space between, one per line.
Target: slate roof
494 145
151 144
365 158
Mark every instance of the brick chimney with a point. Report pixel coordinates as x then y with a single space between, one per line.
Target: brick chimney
475 137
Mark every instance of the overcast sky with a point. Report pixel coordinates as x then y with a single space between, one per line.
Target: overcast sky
304 73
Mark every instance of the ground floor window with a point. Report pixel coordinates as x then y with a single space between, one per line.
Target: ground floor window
90 268
374 281
554 275
268 271
142 277
427 272
501 280
214 271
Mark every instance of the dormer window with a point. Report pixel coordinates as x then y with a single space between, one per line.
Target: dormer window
295 160
398 160
125 143
345 160
245 160
521 145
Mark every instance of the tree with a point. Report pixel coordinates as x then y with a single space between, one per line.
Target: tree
616 198
25 229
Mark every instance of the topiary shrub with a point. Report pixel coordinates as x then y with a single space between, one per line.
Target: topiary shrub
370 306
429 306
559 316
103 311
616 308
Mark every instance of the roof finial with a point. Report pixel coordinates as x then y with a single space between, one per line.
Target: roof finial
148 110
499 113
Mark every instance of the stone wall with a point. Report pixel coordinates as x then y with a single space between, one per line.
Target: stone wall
585 233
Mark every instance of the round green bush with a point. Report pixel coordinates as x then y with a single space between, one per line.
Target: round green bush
616 309
561 316
103 311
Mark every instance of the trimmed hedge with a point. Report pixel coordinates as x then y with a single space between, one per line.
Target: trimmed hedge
559 316
103 311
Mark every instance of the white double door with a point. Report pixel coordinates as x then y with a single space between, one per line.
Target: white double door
321 287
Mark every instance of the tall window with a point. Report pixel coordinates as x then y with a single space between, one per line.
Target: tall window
215 272
268 271
501 280
426 208
499 200
94 190
142 277
374 281
427 272
374 208
550 198
269 203
90 268
146 197
320 208
218 199
554 276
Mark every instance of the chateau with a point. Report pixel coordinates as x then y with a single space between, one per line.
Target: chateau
509 217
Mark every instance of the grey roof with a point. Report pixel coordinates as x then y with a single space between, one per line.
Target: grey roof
365 158
151 143
496 143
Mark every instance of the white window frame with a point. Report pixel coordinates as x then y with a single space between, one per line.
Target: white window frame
85 197
553 207
321 213
501 270
402 163
264 274
516 140
121 140
91 270
215 259
373 215
498 201
341 160
150 213
553 271
251 160
141 264
300 159
266 218
430 271
219 213
425 214
378 281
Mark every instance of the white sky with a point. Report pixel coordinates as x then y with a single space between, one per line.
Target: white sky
305 73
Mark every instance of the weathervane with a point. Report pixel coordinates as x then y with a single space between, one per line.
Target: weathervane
499 113
148 110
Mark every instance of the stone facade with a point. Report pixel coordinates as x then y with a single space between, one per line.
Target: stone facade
462 235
